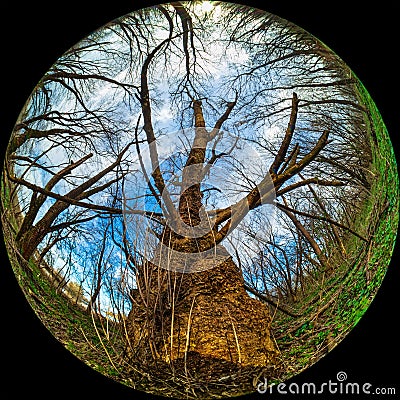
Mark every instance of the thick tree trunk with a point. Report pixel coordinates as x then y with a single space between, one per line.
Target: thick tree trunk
198 320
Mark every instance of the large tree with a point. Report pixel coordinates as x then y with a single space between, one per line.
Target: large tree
218 149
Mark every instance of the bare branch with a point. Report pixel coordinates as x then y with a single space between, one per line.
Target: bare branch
320 218
270 301
280 156
306 182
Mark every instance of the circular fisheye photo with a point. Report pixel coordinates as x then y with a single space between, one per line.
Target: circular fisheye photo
199 199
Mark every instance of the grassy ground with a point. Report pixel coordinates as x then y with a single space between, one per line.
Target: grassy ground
95 341
333 306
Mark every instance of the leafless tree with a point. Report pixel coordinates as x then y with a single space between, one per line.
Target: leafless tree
199 259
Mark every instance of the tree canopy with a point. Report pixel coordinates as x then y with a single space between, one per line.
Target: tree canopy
184 135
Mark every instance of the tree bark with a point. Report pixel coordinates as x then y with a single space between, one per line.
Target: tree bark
183 318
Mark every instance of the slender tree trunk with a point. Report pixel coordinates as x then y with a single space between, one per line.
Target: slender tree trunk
30 239
317 250
98 275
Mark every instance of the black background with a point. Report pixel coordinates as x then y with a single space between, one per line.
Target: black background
32 37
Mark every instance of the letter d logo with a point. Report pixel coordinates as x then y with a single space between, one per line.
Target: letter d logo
262 386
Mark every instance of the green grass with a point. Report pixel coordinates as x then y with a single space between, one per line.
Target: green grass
357 279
